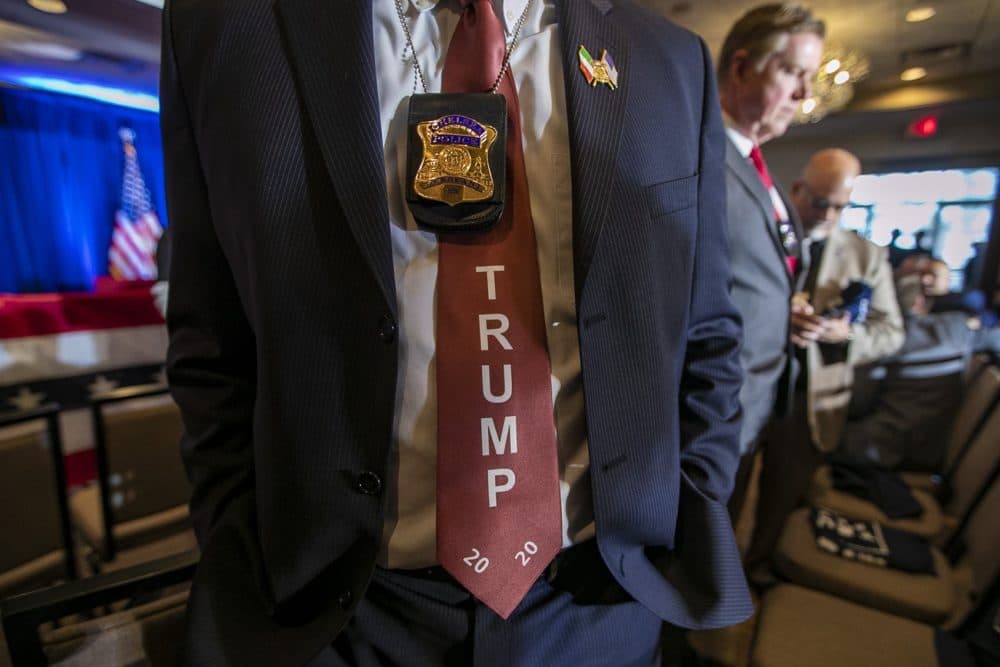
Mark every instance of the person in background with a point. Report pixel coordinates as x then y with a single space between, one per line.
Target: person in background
919 248
913 395
161 288
896 254
844 315
935 279
765 70
934 274
972 272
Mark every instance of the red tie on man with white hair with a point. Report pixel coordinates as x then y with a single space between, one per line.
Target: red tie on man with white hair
786 233
499 518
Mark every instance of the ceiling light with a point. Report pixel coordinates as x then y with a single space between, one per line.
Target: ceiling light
834 84
913 73
46 50
918 14
121 97
153 3
49 6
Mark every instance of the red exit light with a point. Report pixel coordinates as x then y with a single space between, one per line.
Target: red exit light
923 128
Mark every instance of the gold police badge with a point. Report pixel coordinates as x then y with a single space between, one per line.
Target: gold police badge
455 167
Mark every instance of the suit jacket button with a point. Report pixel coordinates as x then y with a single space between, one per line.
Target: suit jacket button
369 483
344 599
387 329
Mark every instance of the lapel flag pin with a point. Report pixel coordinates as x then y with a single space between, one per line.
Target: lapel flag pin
598 71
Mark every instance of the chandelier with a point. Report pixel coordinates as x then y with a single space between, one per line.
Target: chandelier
833 88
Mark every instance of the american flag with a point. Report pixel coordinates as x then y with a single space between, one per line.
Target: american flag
132 255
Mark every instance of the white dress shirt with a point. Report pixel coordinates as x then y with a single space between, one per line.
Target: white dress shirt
744 145
409 539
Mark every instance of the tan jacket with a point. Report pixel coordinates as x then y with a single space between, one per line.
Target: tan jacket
846 258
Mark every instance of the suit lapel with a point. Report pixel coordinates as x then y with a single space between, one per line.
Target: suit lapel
337 81
748 176
750 180
800 234
596 115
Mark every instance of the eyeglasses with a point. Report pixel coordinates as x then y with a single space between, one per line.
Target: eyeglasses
822 203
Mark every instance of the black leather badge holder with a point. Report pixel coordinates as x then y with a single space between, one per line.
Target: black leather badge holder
456 175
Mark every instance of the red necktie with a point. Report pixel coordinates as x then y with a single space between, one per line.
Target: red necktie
785 231
499 518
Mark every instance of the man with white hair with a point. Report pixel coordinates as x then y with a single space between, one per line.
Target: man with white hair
765 70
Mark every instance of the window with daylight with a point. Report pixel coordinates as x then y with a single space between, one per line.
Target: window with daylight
947 212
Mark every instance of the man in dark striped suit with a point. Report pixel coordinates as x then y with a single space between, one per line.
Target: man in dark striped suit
305 352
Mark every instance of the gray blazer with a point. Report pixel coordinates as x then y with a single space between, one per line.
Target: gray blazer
762 288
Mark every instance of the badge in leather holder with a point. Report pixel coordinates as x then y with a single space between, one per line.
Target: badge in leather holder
456 160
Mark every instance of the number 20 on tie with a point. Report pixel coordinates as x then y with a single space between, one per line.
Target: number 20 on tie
480 563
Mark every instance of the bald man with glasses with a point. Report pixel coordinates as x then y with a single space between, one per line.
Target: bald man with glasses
821 204
831 336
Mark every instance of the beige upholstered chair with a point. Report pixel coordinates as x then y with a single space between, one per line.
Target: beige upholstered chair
981 395
797 627
34 526
142 491
937 599
969 457
972 474
977 362
144 626
821 493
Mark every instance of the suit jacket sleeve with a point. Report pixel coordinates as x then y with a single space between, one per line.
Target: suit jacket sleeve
881 334
211 358
709 394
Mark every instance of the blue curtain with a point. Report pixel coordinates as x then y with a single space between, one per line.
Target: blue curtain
61 164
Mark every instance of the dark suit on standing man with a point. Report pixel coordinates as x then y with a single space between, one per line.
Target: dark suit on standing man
283 352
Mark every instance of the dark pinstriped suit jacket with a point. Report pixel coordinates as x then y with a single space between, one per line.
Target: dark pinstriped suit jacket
282 354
